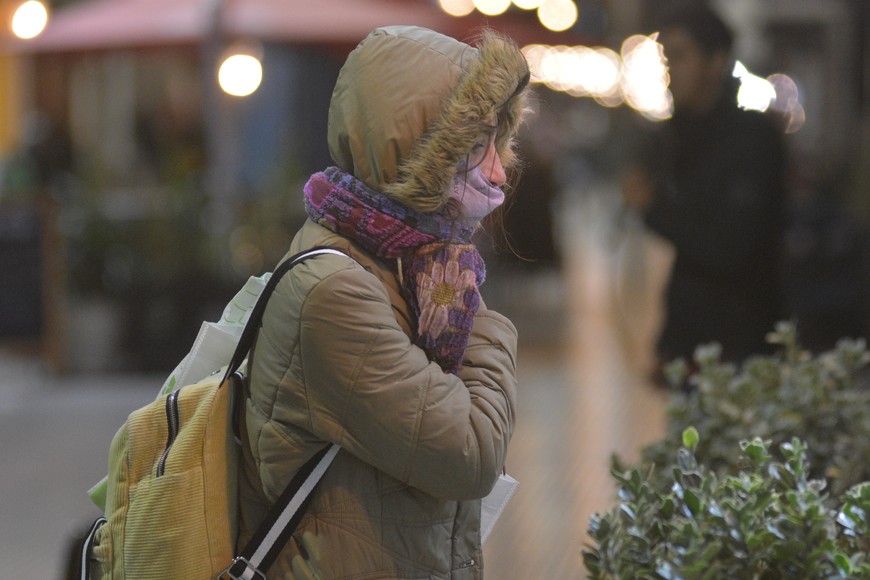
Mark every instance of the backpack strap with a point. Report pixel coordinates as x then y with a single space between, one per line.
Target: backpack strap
281 520
246 341
86 569
283 517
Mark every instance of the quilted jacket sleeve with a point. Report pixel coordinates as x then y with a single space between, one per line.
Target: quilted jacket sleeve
377 395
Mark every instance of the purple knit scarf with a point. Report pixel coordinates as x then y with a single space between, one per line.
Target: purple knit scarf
441 270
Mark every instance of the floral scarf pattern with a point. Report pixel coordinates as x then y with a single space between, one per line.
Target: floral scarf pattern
441 270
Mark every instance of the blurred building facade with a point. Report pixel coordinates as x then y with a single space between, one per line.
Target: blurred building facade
136 196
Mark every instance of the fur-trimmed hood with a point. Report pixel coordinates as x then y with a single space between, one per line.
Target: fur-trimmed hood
409 104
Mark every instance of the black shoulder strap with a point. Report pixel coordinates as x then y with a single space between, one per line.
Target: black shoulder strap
283 517
256 319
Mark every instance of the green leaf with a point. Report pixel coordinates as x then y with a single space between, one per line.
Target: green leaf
628 512
775 531
794 504
843 563
756 450
686 462
691 438
666 511
692 501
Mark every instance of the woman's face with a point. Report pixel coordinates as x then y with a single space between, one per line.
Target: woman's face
484 155
491 166
479 179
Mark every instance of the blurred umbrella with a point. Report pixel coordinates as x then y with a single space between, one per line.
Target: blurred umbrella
328 20
111 24
108 24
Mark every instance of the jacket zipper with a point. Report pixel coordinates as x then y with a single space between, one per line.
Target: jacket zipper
172 423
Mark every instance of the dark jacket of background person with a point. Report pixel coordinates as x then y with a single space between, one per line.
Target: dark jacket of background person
719 198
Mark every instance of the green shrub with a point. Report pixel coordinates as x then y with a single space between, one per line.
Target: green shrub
819 399
769 520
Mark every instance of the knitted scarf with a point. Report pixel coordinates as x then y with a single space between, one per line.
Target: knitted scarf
440 269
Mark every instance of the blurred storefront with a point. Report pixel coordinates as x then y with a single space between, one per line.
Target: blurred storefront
137 195
166 192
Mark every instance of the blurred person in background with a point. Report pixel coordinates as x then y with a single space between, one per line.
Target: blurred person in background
711 181
393 355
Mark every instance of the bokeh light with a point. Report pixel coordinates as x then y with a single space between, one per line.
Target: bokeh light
240 74
29 19
492 7
637 77
534 53
457 8
528 4
604 68
557 15
755 93
787 102
560 70
787 94
644 80
580 70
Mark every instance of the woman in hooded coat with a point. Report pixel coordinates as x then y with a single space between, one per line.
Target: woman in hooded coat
392 354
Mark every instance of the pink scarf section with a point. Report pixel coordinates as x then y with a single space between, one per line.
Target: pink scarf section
441 269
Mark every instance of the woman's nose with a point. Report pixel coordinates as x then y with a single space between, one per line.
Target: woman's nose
492 168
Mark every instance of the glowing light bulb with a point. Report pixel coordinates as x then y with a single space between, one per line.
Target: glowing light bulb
557 15
534 53
755 93
240 75
528 4
457 8
492 7
644 82
29 19
637 78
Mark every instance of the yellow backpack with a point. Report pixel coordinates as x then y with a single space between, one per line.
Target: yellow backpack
171 497
172 490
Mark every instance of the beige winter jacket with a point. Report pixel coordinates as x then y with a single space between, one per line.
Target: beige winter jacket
334 363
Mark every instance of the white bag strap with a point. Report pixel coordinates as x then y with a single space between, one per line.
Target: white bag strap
281 521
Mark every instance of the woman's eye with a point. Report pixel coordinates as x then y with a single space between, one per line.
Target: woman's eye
478 151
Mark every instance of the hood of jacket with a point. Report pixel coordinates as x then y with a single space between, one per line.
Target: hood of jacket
409 104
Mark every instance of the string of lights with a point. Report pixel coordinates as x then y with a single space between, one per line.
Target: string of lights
555 15
637 76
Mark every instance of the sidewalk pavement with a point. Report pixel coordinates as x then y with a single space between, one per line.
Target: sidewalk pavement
56 433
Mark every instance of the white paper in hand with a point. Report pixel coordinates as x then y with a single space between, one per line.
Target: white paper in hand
493 505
